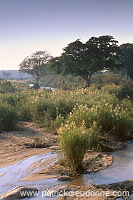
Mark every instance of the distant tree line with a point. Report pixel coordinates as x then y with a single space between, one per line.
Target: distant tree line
82 59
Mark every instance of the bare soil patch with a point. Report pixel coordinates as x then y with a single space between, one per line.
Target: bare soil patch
15 145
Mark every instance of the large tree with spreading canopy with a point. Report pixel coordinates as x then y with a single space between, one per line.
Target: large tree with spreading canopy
84 59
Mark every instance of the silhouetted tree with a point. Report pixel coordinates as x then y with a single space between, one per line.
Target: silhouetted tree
86 59
127 59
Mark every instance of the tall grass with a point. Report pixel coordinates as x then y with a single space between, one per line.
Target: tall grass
51 108
110 120
75 141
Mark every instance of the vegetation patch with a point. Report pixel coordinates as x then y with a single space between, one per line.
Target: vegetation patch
8 117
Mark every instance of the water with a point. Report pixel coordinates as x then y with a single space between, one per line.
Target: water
120 170
21 170
48 88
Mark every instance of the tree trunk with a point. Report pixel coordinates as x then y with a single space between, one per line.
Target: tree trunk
36 85
86 82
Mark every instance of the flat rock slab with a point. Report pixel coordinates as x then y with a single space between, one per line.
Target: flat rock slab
63 178
20 192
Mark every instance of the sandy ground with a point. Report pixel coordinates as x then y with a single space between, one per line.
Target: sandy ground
14 145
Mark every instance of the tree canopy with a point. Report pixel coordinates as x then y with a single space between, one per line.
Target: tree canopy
35 65
127 58
84 59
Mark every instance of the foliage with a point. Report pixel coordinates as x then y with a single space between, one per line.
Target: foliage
35 65
60 81
24 109
52 108
127 58
111 79
85 59
110 120
127 90
58 121
8 117
6 87
46 111
113 89
75 141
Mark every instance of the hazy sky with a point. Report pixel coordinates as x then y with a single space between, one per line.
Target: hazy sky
27 26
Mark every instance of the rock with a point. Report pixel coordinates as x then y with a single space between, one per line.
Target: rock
86 172
99 156
63 178
100 165
3 174
19 192
54 148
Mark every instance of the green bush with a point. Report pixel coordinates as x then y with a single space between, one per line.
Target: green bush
6 87
74 142
112 120
8 117
43 112
24 111
58 121
11 99
127 90
111 79
23 107
46 112
113 89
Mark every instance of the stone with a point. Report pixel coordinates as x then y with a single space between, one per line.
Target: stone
63 178
100 156
54 148
3 174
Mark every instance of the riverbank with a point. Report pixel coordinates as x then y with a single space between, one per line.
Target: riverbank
16 146
112 191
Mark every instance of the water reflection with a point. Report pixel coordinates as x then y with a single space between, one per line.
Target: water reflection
120 170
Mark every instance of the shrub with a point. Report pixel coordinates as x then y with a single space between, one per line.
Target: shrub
113 89
43 112
97 78
8 117
75 141
110 119
24 111
6 87
58 121
110 79
127 90
11 99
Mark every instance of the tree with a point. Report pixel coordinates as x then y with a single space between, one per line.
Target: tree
127 59
35 65
86 59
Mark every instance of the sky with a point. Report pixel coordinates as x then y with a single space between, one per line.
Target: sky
27 26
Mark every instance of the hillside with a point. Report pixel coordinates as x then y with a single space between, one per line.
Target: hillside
13 74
